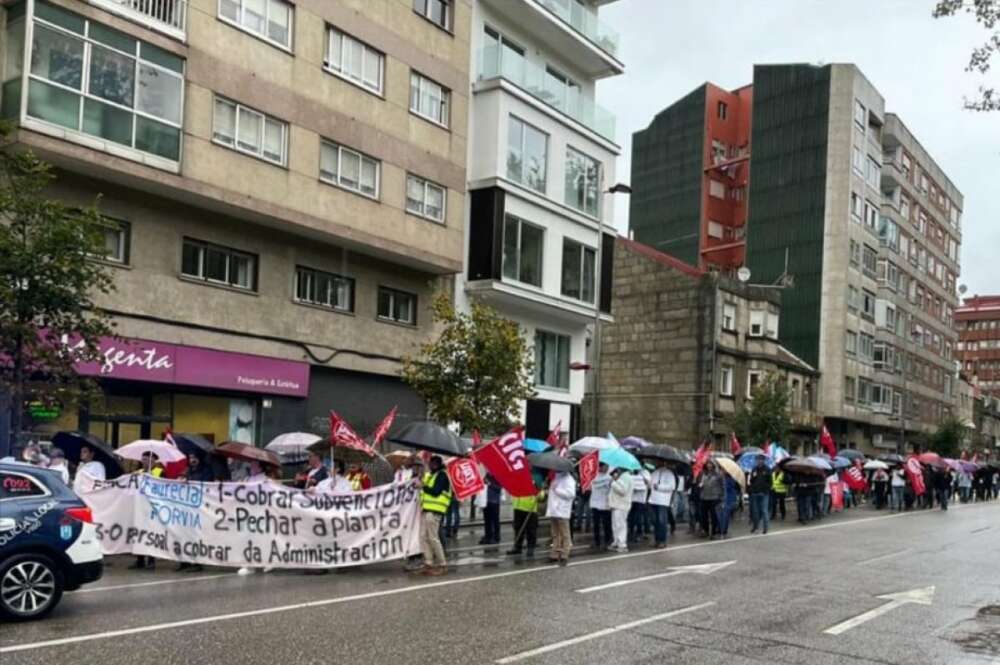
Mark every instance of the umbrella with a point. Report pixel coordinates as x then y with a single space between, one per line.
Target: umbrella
661 452
163 450
380 470
194 444
536 445
820 462
71 442
803 466
634 443
717 455
551 462
932 459
749 462
292 442
892 459
875 464
969 467
851 454
248 453
595 443
399 458
431 437
619 458
733 470
342 453
839 462
750 450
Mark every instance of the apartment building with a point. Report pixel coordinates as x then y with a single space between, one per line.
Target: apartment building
288 183
541 157
847 212
978 350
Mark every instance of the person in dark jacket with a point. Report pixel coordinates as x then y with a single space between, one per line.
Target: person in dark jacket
491 513
942 486
760 493
197 470
711 495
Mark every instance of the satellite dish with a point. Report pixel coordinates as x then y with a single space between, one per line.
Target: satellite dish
743 274
962 288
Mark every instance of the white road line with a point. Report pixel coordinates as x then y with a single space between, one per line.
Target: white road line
142 584
924 596
885 556
612 585
431 585
524 655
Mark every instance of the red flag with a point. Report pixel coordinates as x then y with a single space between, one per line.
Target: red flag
703 455
477 441
826 441
341 434
915 473
466 481
734 445
176 469
383 427
855 479
554 438
506 461
588 468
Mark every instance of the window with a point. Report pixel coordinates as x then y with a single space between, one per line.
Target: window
94 80
723 110
867 304
428 99
853 299
771 325
866 347
873 173
527 154
583 175
116 241
864 391
270 20
501 56
578 271
757 317
325 289
397 306
904 207
849 389
858 160
561 91
729 316
753 380
219 265
349 169
551 360
425 199
715 230
17 485
860 115
855 253
871 215
923 183
851 343
246 130
354 60
869 261
522 251
717 189
856 206
437 12
726 381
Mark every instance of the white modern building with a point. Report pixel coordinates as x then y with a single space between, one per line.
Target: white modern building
541 158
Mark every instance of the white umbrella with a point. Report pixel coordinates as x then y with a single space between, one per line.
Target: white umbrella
164 451
292 442
875 464
595 443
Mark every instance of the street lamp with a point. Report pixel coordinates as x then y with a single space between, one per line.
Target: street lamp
617 188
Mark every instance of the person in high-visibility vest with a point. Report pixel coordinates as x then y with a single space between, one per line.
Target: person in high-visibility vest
525 522
435 497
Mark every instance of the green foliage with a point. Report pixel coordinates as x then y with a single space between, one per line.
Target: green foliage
48 279
764 417
987 14
947 440
476 372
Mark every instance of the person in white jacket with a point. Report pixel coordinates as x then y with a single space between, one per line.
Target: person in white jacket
562 492
620 502
662 484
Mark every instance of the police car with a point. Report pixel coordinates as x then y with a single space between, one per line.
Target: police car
48 542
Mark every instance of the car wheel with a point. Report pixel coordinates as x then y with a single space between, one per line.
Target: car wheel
30 587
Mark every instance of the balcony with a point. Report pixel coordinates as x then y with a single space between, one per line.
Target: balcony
166 16
585 23
533 79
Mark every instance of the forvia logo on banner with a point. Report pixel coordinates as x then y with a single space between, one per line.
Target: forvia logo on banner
160 362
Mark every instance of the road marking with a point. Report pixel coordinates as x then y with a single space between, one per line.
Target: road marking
923 596
701 569
443 583
885 556
142 584
524 655
985 528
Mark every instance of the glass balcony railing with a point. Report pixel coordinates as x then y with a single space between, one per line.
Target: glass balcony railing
546 86
585 23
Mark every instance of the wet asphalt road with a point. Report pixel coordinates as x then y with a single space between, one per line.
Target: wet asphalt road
772 605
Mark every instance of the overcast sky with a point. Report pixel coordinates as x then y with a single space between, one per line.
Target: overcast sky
917 62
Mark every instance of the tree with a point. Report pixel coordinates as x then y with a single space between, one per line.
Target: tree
947 440
764 417
476 372
987 13
48 280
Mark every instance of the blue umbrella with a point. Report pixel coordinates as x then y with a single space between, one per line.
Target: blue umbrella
840 462
619 458
749 462
536 445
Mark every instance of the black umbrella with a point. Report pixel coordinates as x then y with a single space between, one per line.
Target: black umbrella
851 454
893 458
661 453
71 442
194 444
802 466
550 461
432 437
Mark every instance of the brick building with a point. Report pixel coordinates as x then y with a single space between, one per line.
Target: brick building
978 350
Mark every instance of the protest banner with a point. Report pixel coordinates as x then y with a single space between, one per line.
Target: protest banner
507 461
264 524
588 467
466 481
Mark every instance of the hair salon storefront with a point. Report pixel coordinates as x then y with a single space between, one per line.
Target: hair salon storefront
150 386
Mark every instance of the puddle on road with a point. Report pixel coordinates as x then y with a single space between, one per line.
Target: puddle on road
981 635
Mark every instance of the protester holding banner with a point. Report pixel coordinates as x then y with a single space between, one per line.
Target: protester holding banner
197 471
637 514
525 523
89 465
600 511
435 498
663 482
334 483
491 512
559 511
620 502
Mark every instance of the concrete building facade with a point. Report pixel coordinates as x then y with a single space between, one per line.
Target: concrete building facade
288 182
541 154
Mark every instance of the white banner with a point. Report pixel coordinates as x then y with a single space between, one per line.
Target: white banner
237 524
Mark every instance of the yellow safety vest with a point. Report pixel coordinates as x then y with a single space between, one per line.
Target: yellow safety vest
434 504
778 483
526 504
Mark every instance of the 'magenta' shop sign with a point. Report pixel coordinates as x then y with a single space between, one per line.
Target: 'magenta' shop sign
159 362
